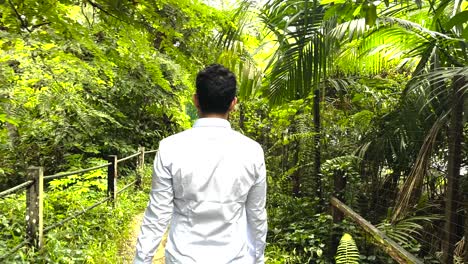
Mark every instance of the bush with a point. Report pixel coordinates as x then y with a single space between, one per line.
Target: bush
93 237
297 233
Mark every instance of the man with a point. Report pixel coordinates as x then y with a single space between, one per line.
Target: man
209 182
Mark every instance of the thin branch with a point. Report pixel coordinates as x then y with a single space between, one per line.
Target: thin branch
98 6
39 25
84 14
24 24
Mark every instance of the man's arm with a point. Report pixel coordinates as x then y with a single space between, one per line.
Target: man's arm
157 214
256 212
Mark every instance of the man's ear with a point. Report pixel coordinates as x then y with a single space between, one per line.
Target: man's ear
195 101
233 104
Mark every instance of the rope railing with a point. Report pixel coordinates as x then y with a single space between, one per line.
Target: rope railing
129 157
35 189
62 222
61 175
127 186
16 188
13 250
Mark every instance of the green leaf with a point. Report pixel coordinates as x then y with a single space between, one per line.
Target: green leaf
357 11
465 34
458 20
4 118
371 15
324 2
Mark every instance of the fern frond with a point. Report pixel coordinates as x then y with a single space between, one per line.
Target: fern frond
347 251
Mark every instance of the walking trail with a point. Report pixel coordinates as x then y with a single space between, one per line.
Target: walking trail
127 250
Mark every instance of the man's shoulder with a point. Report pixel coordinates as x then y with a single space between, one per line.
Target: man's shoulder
244 138
245 141
183 137
175 138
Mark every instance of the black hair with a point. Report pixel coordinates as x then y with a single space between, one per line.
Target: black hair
216 88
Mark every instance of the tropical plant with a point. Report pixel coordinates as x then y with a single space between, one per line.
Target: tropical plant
347 251
435 94
407 231
84 79
300 65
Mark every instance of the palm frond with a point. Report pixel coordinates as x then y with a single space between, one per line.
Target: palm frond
406 231
459 251
232 53
438 76
302 59
415 179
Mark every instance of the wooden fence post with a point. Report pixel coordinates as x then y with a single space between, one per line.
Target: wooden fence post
112 178
140 167
466 220
35 207
339 186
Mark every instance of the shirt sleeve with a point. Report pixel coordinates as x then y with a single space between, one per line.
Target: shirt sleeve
158 213
256 212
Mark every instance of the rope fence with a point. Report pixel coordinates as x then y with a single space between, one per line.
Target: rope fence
13 250
35 192
129 157
61 175
126 186
62 222
16 188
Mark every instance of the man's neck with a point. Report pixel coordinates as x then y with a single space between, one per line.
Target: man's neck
214 115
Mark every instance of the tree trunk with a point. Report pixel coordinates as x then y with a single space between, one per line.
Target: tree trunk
317 163
453 220
339 186
296 144
13 135
241 116
296 177
466 220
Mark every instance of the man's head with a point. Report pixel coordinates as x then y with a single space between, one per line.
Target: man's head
216 90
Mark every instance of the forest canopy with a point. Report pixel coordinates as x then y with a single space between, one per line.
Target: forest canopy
85 79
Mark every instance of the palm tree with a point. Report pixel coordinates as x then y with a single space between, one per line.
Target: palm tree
233 53
310 35
302 65
440 75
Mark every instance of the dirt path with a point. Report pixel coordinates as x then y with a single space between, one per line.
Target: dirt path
127 251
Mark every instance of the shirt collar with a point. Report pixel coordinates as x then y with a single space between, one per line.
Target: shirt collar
212 122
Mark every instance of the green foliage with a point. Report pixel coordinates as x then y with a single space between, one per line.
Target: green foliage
297 233
407 231
84 79
91 238
12 222
346 167
95 78
347 252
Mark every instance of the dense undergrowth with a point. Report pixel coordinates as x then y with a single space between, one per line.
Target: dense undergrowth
94 237
300 232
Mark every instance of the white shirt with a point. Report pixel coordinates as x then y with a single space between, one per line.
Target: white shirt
209 182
